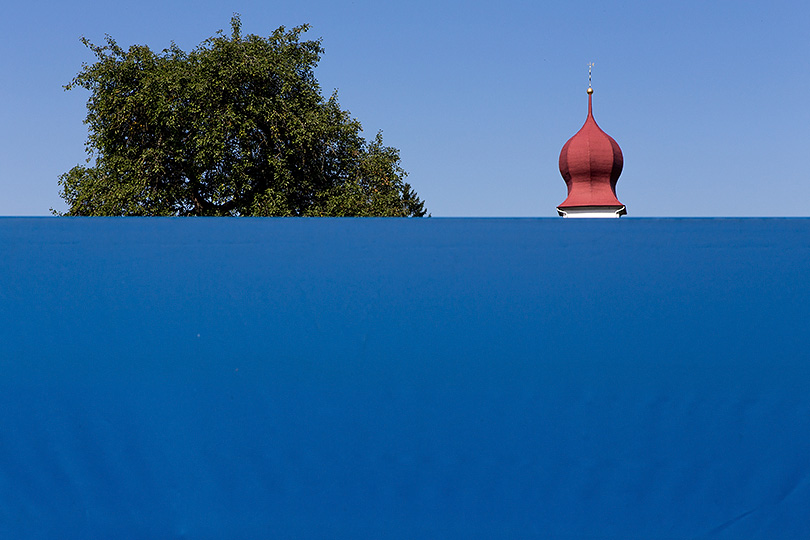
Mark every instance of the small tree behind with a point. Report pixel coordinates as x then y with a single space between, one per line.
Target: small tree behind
236 127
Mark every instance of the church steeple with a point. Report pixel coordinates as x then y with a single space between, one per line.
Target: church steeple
590 163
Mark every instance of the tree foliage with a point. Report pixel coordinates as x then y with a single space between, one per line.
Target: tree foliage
236 127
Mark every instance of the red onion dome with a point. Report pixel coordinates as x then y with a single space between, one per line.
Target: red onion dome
590 163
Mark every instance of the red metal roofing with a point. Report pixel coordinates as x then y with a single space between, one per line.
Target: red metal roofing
590 163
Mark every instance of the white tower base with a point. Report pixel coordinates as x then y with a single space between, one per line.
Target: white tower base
592 211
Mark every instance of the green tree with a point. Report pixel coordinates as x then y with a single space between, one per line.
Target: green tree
236 127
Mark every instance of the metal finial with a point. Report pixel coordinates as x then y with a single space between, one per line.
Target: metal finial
590 67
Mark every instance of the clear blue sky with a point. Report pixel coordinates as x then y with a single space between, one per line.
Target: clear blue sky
706 98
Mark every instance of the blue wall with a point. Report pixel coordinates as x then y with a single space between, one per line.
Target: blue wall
435 378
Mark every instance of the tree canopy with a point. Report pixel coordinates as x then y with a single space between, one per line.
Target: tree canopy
236 127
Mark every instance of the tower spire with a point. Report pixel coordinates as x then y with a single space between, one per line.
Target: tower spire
590 163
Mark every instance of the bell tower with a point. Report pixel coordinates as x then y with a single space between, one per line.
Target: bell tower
590 163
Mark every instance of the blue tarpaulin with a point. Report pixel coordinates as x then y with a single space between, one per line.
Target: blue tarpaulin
395 378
